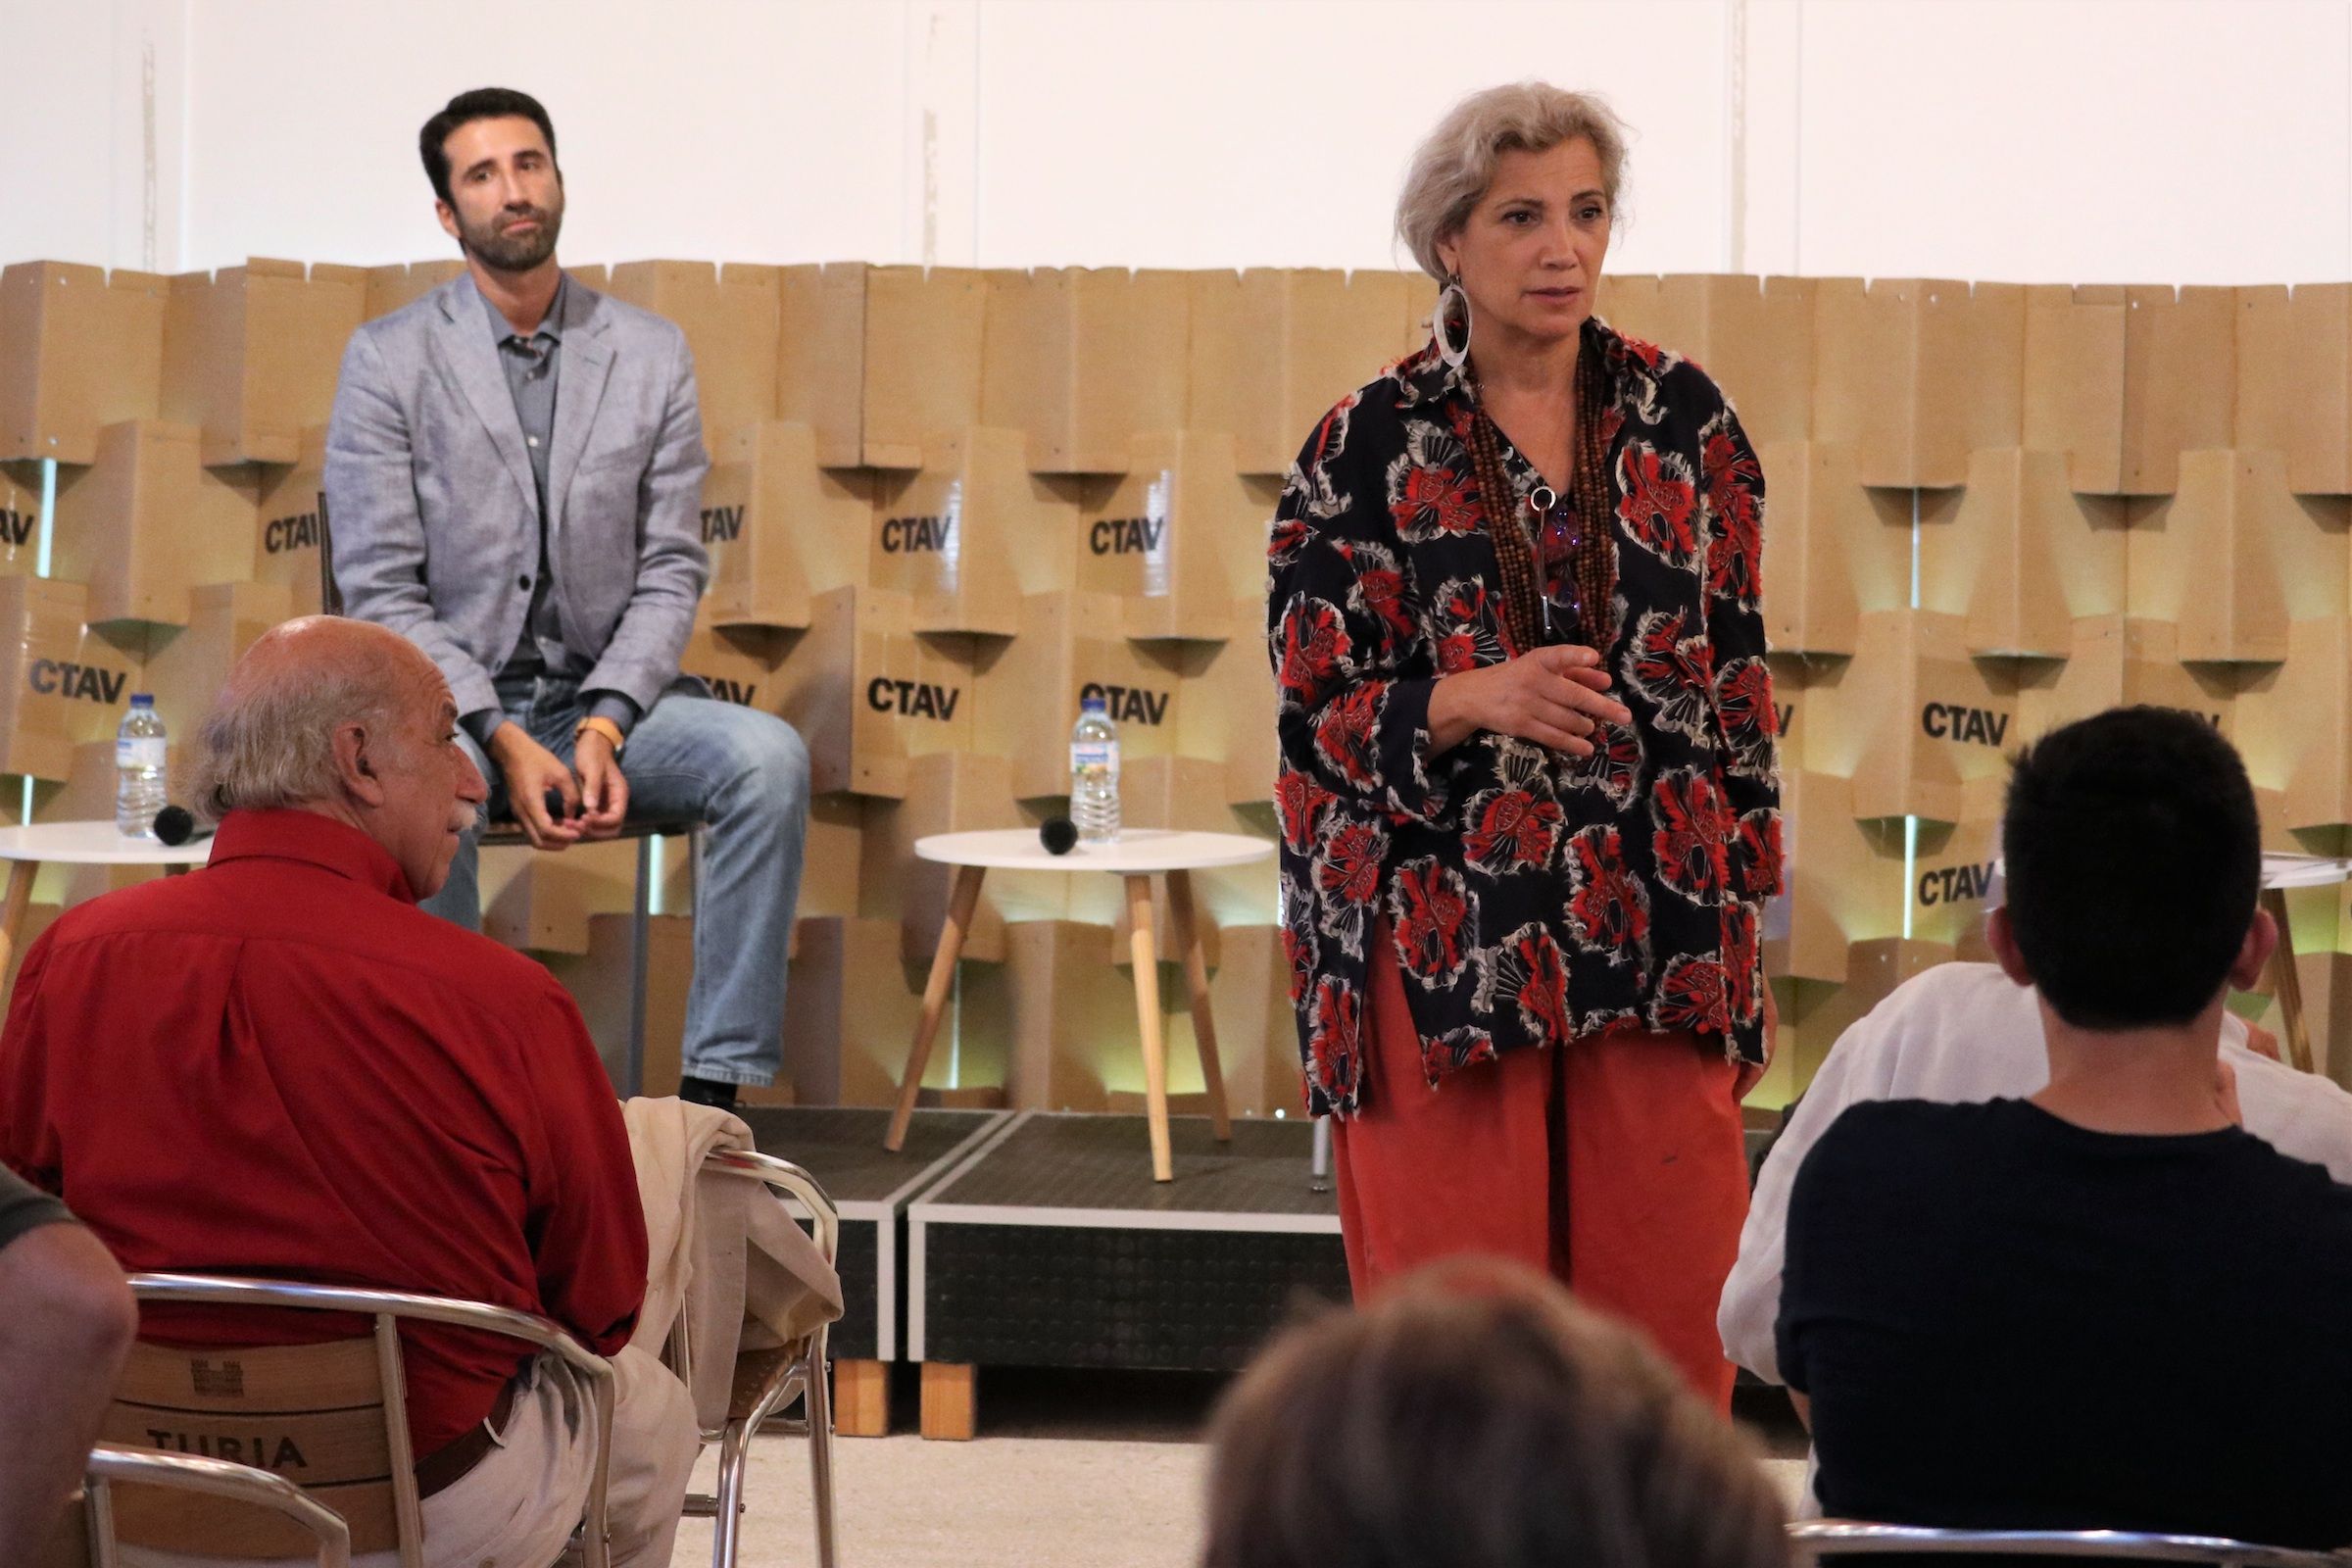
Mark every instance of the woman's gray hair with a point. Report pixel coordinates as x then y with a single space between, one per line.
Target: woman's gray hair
268 742
1455 163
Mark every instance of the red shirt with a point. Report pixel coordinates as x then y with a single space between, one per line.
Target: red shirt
278 1065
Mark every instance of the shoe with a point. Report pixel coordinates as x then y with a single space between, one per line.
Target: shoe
707 1091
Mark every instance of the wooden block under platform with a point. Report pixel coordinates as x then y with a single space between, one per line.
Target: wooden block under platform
951 1404
861 1398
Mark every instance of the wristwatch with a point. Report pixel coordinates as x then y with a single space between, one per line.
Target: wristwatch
603 726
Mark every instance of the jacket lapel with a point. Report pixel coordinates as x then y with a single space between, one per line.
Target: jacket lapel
587 363
473 361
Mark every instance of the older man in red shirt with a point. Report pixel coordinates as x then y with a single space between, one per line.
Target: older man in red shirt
278 1065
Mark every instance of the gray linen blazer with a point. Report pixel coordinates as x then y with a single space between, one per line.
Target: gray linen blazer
436 517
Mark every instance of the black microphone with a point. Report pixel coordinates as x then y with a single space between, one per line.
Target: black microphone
176 825
1058 835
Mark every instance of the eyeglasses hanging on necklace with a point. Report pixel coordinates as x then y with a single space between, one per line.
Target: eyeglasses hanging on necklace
1555 536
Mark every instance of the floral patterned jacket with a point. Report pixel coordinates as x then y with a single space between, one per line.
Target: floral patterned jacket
1533 898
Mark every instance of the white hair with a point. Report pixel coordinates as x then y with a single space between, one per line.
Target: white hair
268 742
1455 163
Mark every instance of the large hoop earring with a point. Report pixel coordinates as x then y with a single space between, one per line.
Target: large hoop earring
1455 354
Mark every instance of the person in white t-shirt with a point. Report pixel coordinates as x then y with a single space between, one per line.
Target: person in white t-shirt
1964 1034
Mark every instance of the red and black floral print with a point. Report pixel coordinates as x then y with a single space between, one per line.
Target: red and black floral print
1532 897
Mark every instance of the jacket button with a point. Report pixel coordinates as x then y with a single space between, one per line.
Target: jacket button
524 581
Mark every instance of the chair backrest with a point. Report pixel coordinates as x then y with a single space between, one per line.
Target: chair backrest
1810 1540
332 1417
312 1413
119 1476
785 1180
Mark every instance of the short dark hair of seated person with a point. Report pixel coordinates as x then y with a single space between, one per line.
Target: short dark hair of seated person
1475 1414
2107 1306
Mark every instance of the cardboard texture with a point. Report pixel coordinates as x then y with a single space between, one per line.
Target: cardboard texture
2180 382
2234 556
1068 647
148 523
598 979
64 683
85 349
541 902
1179 539
779 528
867 693
2018 555
1833 550
1272 350
20 519
1844 878
1257 1042
1228 708
738 663
854 1003
2294 730
2294 381
1917 374
820 357
2073 380
1952 874
729 315
251 354
1083 361
922 355
949 792
2114 660
833 859
1920 727
291 527
1753 335
973 532
1070 1019
404 284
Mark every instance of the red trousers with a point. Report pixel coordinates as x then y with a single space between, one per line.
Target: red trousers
1617 1165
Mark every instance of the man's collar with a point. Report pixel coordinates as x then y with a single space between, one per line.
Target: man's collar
551 325
320 841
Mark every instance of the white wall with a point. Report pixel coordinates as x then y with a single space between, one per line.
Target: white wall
2028 141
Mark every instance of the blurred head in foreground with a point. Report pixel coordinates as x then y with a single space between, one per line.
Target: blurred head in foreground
1475 1416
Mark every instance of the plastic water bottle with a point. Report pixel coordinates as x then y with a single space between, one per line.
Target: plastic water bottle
1094 774
139 768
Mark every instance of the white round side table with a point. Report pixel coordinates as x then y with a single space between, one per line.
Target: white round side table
1139 856
28 849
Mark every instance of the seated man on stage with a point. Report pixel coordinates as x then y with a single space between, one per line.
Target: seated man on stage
277 1066
2105 1305
513 469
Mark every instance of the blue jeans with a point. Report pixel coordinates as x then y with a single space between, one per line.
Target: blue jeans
742 773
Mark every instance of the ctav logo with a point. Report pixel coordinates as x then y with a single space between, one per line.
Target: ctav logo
1128 704
912 699
57 677
1954 721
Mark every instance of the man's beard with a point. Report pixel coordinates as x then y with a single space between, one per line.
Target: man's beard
494 248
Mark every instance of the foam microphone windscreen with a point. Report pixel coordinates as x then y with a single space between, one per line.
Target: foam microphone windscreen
177 824
1058 835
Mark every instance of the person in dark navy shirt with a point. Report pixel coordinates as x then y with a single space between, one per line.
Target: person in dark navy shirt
2107 1306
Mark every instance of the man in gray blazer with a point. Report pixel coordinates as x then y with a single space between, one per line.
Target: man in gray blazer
514 468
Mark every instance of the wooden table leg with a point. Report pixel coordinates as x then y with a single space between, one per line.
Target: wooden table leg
12 918
1187 932
1145 955
950 1408
960 905
2286 985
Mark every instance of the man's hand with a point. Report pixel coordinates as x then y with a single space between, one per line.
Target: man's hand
532 772
1551 696
604 789
2261 1040
1751 1073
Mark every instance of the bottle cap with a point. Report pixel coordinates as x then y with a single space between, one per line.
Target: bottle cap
1085 704
142 699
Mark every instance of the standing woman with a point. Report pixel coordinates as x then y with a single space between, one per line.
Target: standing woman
1529 792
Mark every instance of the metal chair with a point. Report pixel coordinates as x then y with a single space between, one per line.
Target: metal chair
345 1401
85 1539
1810 1540
798 1370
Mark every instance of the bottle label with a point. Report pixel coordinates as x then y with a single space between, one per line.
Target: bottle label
1095 760
139 750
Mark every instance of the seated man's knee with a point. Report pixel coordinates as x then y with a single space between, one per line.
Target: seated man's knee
771 756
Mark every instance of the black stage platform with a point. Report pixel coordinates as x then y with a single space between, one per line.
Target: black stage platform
842 1148
1049 1244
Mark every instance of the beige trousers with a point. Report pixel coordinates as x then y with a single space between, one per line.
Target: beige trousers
516 1507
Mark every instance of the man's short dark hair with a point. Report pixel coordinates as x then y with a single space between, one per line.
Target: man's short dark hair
479 102
2134 858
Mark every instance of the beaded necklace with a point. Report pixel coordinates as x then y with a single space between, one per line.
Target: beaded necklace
1589 564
